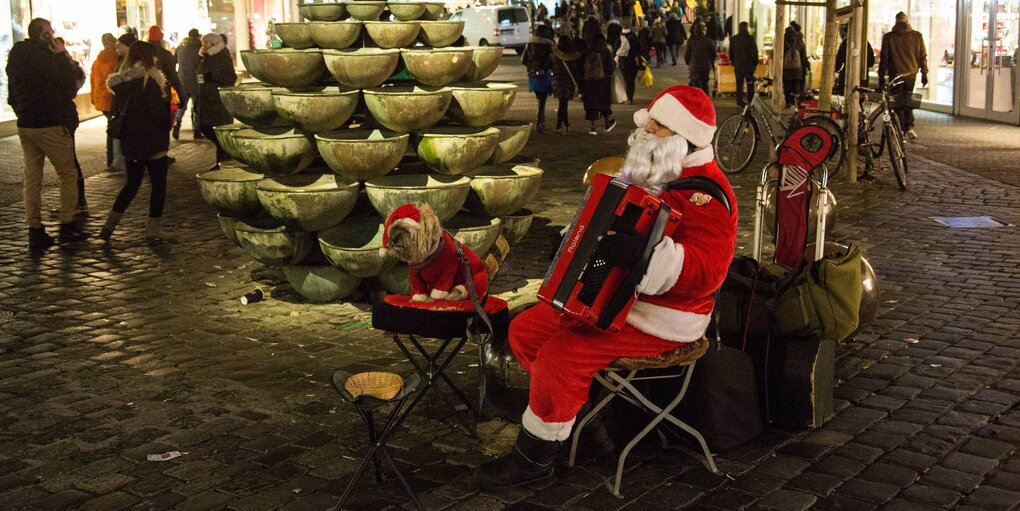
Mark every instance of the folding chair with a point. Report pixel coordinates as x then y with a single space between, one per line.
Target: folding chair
452 326
619 379
366 405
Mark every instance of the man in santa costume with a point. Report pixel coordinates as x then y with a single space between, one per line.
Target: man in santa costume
675 296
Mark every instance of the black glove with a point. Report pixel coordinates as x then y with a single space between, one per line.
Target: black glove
924 80
621 249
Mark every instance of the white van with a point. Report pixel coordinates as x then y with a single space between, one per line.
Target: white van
493 25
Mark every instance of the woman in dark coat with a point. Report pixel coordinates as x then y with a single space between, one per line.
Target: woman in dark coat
215 70
795 64
537 58
141 98
597 95
564 80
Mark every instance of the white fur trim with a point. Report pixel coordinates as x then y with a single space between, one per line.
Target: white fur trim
438 294
548 431
669 112
664 268
641 118
699 158
666 323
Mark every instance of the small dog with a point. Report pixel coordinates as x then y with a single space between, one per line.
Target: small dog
413 234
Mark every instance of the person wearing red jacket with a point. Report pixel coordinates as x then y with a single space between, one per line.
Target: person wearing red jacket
674 298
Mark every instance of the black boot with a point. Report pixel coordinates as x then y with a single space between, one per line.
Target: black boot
531 461
38 240
72 232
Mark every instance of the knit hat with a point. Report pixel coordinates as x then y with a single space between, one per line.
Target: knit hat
128 39
155 33
685 110
408 211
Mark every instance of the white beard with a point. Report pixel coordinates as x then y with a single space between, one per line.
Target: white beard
653 161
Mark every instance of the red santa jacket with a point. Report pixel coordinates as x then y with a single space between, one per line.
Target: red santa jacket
443 270
675 297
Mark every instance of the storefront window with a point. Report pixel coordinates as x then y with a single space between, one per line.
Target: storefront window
936 21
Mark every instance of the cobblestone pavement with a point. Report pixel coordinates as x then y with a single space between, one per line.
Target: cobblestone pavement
113 353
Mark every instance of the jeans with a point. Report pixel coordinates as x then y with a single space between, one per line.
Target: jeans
135 173
901 94
57 144
744 80
660 53
699 79
674 51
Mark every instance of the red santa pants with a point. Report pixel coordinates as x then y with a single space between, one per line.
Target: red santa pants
562 356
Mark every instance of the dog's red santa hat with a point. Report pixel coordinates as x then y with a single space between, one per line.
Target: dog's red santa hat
407 212
686 111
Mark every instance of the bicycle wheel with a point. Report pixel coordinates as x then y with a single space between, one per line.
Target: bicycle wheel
735 142
897 156
838 152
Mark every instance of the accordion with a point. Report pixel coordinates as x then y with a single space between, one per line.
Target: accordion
580 283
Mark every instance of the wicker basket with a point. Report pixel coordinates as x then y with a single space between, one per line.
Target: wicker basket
379 385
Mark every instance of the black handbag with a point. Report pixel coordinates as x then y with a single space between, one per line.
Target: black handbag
115 126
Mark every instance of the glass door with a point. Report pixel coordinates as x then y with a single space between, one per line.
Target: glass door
989 68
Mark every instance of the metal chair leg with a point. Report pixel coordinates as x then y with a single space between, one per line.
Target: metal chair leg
590 416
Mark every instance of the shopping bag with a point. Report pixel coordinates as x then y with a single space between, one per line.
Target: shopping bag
619 89
647 80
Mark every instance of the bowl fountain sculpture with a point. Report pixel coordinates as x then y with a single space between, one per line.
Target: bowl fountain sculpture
407 108
361 154
354 247
287 67
320 283
224 135
252 104
481 104
516 225
316 110
406 11
331 11
365 11
439 34
434 10
392 34
500 190
361 68
231 190
456 150
294 35
484 61
275 154
334 35
436 66
513 136
271 243
475 232
445 194
308 202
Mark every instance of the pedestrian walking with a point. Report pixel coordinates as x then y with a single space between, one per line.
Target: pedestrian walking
187 70
675 36
699 55
42 84
104 65
659 41
564 83
215 70
795 65
903 54
645 39
597 69
840 86
628 57
537 58
744 54
141 98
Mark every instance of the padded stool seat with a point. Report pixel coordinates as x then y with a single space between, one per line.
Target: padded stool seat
686 354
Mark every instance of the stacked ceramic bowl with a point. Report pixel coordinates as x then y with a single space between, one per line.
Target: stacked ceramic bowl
367 107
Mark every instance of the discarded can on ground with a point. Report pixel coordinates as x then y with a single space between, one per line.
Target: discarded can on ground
256 295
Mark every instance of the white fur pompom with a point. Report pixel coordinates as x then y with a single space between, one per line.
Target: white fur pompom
641 117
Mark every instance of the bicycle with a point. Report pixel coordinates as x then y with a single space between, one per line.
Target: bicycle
737 138
892 133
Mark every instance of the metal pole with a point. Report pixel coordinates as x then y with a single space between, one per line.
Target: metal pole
828 57
856 46
778 101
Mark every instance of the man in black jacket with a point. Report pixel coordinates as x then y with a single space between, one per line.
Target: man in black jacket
187 67
675 36
699 55
43 81
744 54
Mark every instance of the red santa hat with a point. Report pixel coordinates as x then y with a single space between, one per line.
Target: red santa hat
408 211
686 111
